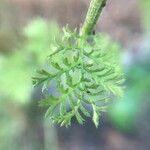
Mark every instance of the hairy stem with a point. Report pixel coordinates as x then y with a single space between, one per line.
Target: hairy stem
93 14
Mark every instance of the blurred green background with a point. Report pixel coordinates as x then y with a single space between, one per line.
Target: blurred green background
27 28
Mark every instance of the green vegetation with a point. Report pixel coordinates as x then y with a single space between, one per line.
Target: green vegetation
146 13
125 112
17 69
86 71
16 88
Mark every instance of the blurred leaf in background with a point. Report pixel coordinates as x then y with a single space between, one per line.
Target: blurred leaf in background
145 9
39 36
16 71
125 111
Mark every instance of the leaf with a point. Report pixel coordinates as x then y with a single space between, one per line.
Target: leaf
63 81
95 115
63 108
48 101
84 111
87 74
76 76
50 110
79 117
43 72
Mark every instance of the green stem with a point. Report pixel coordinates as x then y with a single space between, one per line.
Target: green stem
93 14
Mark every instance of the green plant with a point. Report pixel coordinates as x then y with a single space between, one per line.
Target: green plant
16 90
25 59
86 70
145 6
124 113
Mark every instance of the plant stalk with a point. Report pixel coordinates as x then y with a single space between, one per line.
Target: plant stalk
94 11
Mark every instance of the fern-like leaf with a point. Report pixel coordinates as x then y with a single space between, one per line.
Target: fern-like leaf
87 73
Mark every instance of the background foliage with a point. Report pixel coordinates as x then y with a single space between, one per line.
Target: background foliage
16 71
